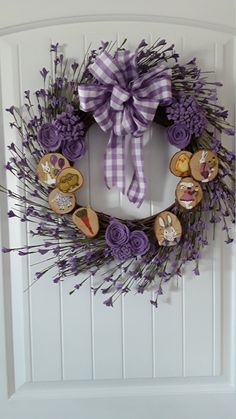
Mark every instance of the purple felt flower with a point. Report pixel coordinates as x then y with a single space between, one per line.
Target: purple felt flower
69 125
49 138
186 110
122 252
117 234
197 124
74 149
139 242
179 135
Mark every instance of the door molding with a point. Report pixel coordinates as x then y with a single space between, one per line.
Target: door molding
223 28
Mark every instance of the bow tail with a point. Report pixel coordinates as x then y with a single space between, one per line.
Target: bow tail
115 162
137 188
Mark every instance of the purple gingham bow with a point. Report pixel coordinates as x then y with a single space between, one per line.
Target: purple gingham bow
124 103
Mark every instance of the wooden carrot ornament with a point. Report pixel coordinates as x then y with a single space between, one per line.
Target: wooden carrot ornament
87 221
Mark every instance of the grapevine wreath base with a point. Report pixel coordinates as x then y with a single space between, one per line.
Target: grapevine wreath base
123 92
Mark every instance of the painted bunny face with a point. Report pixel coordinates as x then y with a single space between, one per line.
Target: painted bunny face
46 167
168 230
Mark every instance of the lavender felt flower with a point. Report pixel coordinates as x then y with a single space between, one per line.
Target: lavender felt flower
74 149
69 125
122 252
49 138
117 234
71 129
139 242
186 110
179 135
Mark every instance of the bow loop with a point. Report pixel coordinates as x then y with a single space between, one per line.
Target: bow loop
118 97
124 103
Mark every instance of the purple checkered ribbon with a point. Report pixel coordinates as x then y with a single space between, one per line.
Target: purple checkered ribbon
125 103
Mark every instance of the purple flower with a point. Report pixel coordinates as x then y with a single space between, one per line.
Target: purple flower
74 66
48 137
187 111
108 302
11 214
122 252
117 234
71 130
69 125
6 250
44 73
154 303
11 109
229 131
229 240
74 149
196 271
179 135
139 242
197 124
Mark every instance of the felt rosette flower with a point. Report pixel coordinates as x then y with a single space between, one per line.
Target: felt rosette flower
66 134
139 242
49 138
179 135
74 149
122 252
72 131
117 234
123 243
188 119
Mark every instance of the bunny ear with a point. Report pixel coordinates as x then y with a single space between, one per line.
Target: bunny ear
161 222
169 220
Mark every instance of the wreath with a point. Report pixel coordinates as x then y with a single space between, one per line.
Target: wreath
123 92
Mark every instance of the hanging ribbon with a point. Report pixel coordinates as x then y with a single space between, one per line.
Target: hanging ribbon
125 103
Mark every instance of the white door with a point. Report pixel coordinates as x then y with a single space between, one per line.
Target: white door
71 357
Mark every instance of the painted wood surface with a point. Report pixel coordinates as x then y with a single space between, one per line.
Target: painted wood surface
58 339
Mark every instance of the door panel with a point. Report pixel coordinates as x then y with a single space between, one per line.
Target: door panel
110 362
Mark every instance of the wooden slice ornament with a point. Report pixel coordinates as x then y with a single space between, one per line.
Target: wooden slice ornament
204 165
188 193
179 164
168 229
61 203
69 180
49 168
87 221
